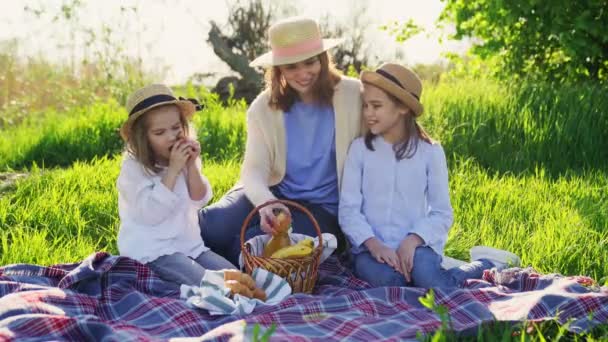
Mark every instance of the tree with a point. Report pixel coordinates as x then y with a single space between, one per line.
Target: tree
554 40
247 38
355 50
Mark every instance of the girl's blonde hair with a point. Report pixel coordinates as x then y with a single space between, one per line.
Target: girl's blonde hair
414 132
282 96
138 145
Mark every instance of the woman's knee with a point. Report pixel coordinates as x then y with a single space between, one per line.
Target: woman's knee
224 219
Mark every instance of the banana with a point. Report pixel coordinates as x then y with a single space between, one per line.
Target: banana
299 250
307 242
276 243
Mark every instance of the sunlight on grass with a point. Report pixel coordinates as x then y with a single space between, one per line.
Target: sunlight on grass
530 215
63 215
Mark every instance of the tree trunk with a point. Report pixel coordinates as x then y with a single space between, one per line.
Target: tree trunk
236 62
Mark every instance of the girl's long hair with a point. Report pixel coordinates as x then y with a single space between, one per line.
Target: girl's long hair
414 132
139 147
282 96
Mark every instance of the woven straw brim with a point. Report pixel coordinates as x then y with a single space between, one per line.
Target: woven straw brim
268 59
385 84
186 107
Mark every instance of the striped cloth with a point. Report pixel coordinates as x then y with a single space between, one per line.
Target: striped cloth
114 298
214 297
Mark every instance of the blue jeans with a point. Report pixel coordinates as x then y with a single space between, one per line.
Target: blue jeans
427 271
181 269
221 223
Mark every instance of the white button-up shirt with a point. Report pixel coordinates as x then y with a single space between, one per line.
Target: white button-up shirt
388 199
155 221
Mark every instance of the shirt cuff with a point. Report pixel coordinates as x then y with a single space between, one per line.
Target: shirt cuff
425 231
208 194
359 239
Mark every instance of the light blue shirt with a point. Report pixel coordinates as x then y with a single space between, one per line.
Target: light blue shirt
388 199
310 170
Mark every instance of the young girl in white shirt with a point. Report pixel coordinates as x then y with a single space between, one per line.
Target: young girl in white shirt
161 188
394 204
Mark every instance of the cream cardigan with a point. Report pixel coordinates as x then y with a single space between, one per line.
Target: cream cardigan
265 150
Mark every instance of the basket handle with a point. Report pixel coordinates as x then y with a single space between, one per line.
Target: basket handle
288 203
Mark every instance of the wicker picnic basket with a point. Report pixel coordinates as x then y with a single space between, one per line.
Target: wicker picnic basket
300 273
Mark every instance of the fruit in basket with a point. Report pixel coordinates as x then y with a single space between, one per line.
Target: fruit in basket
281 238
283 222
307 242
299 250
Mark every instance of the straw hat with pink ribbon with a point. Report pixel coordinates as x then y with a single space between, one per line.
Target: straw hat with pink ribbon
293 40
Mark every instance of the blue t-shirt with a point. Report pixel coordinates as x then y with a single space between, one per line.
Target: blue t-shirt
310 173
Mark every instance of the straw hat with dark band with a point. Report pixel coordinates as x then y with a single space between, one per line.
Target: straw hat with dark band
398 81
294 40
150 97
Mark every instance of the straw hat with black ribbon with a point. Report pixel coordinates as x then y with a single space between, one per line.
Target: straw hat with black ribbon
153 96
398 81
294 40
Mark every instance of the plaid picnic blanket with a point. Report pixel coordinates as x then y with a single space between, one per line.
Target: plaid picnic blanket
114 298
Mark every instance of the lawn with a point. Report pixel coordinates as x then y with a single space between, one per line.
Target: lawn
528 173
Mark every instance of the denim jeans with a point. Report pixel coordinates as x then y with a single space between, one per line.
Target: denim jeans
221 223
427 271
181 269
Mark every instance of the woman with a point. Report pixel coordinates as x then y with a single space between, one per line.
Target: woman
298 132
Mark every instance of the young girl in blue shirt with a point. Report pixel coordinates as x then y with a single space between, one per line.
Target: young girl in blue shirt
395 205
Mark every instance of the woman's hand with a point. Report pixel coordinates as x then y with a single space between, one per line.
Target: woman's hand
382 253
268 221
405 253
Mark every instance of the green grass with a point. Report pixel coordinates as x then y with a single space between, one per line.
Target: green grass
56 216
53 139
59 139
503 196
515 128
548 222
528 173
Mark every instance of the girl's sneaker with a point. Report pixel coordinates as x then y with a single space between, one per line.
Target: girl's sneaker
448 262
500 258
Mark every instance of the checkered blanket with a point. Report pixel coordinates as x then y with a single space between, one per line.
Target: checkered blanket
114 298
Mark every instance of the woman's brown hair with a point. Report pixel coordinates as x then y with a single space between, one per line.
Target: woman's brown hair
282 96
138 145
414 132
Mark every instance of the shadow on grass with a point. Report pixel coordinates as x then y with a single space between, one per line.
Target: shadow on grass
82 144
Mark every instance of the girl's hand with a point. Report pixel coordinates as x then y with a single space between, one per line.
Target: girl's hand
195 151
180 152
405 253
382 253
268 217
